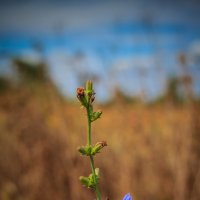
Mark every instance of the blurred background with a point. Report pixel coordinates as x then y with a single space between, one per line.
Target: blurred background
144 59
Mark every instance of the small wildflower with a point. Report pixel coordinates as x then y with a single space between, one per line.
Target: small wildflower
127 197
87 96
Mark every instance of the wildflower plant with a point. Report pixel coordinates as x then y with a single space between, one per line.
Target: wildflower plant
86 96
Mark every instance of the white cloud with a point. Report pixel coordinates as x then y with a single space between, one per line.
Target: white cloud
134 61
195 48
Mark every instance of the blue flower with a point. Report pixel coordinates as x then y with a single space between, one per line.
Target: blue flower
127 197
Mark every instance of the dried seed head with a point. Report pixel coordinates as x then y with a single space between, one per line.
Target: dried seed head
80 92
102 143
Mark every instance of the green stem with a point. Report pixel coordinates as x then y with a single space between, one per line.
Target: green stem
98 195
89 128
93 172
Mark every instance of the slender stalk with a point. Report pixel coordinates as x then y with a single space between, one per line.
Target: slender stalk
98 195
89 128
96 186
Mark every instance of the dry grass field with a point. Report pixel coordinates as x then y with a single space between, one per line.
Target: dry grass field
153 150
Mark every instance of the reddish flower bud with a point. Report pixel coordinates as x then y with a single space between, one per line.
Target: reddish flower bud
81 96
80 92
102 144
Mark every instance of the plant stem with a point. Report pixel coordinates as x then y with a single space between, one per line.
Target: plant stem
96 186
98 195
89 128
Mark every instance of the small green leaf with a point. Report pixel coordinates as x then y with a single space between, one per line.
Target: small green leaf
95 115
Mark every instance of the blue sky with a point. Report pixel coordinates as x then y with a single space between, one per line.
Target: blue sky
113 40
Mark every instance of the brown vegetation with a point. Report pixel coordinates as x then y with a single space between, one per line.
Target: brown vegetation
153 151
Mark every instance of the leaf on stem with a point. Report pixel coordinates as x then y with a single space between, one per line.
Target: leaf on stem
95 115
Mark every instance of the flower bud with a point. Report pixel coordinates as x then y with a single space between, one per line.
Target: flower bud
101 144
84 180
89 85
82 150
97 173
89 89
81 96
88 181
98 146
92 177
80 92
85 150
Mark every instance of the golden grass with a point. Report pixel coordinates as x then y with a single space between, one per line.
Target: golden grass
150 149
